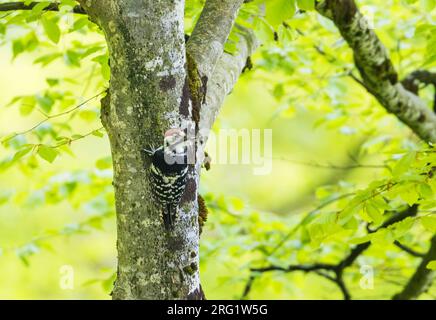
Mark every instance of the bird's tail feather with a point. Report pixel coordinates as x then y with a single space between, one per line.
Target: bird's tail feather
169 215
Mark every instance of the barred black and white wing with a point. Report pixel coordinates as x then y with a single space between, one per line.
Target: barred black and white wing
168 184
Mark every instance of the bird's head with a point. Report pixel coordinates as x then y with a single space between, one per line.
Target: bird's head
175 142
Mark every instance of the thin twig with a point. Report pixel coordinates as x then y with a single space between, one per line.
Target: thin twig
305 218
409 250
334 167
6 15
356 79
70 140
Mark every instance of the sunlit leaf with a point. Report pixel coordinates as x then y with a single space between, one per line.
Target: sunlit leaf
51 29
47 153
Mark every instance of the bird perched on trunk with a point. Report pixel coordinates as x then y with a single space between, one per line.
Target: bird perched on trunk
168 172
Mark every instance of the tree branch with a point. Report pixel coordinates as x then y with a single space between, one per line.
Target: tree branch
342 286
317 268
378 74
225 75
412 81
305 268
421 279
408 250
206 43
360 248
338 268
248 287
17 6
213 73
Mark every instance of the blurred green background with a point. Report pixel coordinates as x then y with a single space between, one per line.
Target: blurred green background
61 213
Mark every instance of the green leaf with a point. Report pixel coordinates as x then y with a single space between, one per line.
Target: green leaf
26 109
21 153
45 102
39 7
306 4
404 164
323 227
103 60
27 43
425 190
92 50
90 282
383 237
429 223
278 11
80 23
47 59
70 3
360 240
17 48
52 81
237 203
88 115
264 31
374 213
402 227
432 265
4 197
109 282
428 5
104 163
47 153
409 195
72 58
98 133
26 251
51 29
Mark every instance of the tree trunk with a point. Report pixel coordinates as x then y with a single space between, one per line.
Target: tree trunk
147 96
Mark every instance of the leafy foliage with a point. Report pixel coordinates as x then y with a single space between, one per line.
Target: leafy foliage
302 82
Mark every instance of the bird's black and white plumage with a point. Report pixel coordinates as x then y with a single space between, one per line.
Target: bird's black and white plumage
168 172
